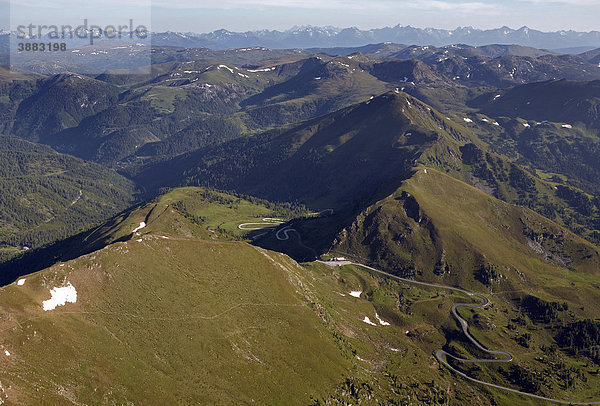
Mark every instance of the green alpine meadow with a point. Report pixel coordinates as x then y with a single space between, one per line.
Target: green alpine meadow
217 209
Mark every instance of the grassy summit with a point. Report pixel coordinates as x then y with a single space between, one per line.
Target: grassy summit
183 310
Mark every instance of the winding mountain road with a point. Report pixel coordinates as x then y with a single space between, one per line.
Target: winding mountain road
441 355
463 323
286 230
272 224
267 221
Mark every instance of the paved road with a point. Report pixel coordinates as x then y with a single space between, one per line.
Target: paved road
463 323
284 235
272 224
267 221
442 355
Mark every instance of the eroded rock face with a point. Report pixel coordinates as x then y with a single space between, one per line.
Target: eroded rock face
483 322
411 207
549 245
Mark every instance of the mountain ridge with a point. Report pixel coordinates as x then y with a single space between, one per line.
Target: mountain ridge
314 36
309 36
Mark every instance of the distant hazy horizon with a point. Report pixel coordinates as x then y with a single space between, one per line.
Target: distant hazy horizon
299 26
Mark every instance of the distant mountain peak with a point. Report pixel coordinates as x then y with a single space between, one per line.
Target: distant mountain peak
309 36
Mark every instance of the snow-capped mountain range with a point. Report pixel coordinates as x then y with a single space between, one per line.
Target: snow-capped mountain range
309 37
324 37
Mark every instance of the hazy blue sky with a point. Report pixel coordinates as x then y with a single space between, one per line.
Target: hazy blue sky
241 15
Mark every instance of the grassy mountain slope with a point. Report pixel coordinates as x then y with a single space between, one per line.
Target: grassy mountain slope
555 100
397 175
189 105
452 230
543 280
548 167
342 159
199 100
339 159
551 129
220 315
47 196
14 88
323 85
61 102
184 291
500 65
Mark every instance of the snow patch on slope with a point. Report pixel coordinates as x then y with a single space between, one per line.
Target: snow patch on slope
262 70
381 321
142 225
368 321
225 67
60 296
